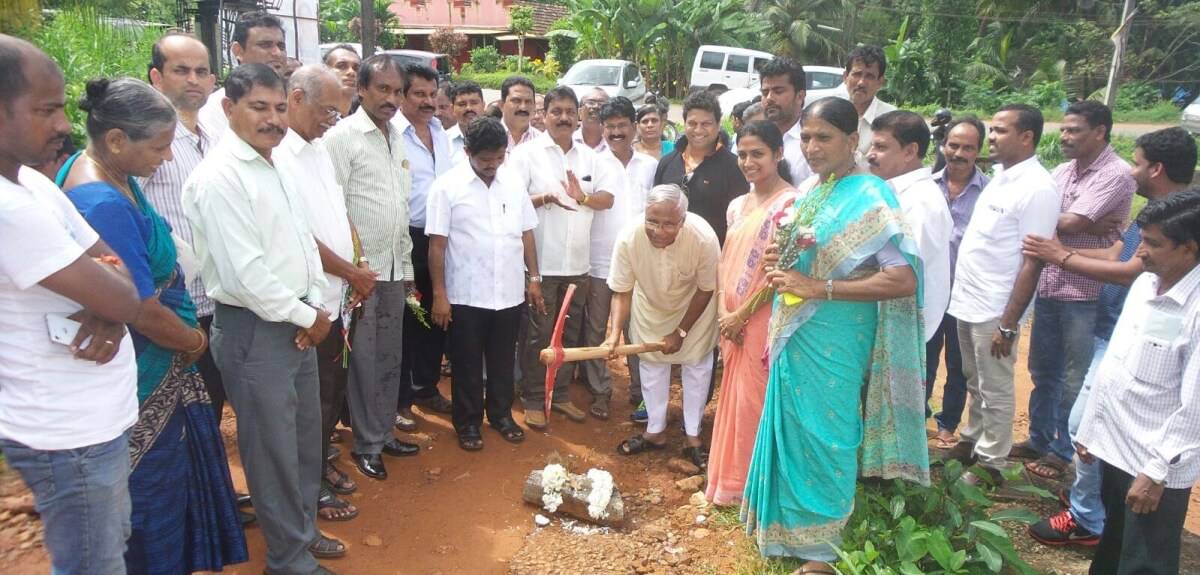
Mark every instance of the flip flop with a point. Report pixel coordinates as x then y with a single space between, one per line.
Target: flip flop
1048 466
943 443
638 444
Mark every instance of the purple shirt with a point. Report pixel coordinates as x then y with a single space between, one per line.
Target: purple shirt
1104 187
961 208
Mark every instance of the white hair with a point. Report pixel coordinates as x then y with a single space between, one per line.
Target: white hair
672 194
308 80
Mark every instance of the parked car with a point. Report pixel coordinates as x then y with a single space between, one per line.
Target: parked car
1190 120
615 77
821 82
722 68
439 62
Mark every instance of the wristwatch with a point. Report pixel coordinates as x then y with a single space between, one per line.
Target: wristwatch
682 332
535 279
1007 333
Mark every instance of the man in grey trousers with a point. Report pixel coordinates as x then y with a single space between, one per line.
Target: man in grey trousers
260 263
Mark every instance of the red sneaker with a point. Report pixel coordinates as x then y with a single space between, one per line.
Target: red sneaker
1061 529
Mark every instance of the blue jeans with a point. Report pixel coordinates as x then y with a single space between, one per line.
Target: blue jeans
1086 507
1060 351
954 391
83 497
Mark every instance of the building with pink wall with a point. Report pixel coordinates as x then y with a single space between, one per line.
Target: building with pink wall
484 22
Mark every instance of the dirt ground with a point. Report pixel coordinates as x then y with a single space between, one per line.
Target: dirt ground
447 511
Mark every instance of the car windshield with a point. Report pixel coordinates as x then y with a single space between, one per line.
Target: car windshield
592 75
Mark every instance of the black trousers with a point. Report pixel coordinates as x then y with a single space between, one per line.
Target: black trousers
477 336
421 359
210 373
1133 543
333 377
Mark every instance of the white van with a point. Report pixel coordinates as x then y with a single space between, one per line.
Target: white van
721 68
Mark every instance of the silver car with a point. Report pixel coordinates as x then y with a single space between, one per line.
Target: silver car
1191 117
615 77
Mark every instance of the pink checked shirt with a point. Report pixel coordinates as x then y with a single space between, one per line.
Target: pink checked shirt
1105 187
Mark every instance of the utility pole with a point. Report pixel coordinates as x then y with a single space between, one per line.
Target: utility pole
1119 36
367 17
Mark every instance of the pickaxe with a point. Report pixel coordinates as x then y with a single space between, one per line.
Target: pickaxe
554 356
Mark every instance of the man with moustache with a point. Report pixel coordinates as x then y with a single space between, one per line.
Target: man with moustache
467 97
369 158
900 140
993 283
783 90
568 184
344 60
961 182
538 121
445 108
65 408
516 104
313 95
1163 164
260 263
258 38
1097 190
429 156
591 128
637 176
862 80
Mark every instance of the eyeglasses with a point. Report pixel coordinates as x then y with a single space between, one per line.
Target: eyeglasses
664 226
332 112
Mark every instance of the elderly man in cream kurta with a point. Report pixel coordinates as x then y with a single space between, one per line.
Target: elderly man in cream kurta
663 274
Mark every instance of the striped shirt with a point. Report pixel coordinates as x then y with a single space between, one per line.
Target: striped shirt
1144 412
164 190
373 170
1104 187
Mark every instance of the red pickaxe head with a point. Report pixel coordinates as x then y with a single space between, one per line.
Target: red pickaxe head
556 346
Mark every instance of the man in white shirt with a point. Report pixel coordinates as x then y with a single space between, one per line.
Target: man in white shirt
313 94
591 128
260 263
369 157
783 91
994 283
636 172
517 103
66 404
862 80
480 230
467 101
900 140
568 184
258 38
1142 420
429 156
344 61
445 108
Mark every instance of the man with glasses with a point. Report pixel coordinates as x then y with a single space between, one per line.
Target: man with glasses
591 129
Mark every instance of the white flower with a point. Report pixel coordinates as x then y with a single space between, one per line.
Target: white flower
601 493
554 477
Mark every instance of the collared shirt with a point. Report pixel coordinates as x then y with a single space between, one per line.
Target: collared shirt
600 148
710 187
877 108
252 236
1104 187
309 166
563 237
483 226
637 177
928 217
1019 201
1144 412
961 207
49 400
212 119
374 173
457 144
164 190
425 164
793 152
531 133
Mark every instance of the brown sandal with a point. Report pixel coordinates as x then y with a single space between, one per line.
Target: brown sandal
1048 466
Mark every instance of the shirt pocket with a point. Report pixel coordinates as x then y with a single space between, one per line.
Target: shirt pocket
1156 362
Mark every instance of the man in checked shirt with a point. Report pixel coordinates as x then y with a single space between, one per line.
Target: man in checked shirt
1143 418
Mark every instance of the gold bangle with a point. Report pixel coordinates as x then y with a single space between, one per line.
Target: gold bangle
203 341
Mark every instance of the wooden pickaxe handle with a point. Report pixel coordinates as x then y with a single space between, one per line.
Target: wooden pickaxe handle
548 356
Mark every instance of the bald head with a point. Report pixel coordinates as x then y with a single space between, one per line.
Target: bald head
33 123
179 69
16 58
313 97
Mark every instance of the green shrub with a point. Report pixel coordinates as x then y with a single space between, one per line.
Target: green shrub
485 59
1162 112
513 63
1136 95
493 80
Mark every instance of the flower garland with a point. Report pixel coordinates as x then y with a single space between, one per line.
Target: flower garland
554 477
601 493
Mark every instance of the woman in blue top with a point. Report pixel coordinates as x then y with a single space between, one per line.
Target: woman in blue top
184 513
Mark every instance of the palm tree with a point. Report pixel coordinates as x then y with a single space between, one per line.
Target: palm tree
806 29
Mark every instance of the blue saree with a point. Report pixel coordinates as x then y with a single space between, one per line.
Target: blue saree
184 512
819 430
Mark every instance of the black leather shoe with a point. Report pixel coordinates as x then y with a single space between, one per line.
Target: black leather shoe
397 448
370 465
436 403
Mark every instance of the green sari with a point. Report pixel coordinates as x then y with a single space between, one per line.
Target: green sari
820 429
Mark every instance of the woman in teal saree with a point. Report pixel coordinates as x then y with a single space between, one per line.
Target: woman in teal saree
857 326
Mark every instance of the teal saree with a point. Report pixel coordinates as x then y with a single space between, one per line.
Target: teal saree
820 428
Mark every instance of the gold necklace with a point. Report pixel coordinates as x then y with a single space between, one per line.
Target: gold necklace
122 185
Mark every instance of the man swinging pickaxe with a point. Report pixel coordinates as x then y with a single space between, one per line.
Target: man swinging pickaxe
554 356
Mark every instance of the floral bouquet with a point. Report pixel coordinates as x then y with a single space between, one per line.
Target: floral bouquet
413 301
794 235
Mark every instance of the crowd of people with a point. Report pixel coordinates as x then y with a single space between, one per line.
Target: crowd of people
309 242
